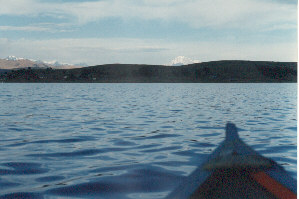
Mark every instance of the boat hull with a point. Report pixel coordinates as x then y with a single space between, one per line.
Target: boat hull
234 170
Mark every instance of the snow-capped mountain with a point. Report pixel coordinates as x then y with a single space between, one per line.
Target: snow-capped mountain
13 58
54 63
182 60
13 62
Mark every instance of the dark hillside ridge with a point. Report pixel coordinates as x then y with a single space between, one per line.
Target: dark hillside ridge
206 72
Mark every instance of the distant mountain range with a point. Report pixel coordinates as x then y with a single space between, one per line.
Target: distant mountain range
12 62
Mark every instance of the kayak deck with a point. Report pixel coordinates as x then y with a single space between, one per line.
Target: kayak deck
234 170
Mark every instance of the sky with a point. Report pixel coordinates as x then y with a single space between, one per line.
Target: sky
148 31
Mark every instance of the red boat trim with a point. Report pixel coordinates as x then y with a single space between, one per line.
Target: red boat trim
273 186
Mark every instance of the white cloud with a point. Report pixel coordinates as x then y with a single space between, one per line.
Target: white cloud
257 16
91 51
40 27
23 28
138 51
245 14
17 7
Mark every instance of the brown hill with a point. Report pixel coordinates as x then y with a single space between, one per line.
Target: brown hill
25 63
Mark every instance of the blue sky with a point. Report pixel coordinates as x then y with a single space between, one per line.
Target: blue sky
148 31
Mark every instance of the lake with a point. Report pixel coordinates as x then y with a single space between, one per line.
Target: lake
132 140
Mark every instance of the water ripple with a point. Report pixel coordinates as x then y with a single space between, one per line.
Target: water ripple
150 179
132 140
85 152
21 168
22 195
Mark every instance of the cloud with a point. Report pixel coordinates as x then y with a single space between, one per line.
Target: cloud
95 51
246 25
89 50
40 27
23 28
17 7
245 14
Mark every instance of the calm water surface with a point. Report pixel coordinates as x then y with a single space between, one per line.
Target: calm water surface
132 140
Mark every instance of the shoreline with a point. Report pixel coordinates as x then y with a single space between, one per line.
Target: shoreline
207 72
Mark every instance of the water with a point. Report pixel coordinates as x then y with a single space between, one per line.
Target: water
132 140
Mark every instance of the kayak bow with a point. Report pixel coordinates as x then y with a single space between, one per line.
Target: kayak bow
234 170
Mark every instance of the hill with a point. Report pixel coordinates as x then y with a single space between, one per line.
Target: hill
12 62
209 72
